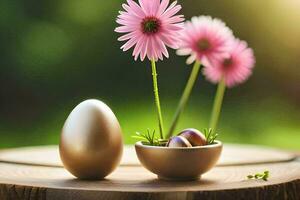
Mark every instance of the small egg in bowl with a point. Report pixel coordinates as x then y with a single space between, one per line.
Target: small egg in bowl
179 163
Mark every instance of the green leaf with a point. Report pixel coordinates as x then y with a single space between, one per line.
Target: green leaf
210 135
250 176
149 138
138 137
263 176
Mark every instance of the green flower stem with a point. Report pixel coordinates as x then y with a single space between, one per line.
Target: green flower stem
185 97
217 105
157 102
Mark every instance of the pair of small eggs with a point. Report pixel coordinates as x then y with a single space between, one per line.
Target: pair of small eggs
187 138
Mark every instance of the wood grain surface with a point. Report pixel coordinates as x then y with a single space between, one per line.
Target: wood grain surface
131 181
232 154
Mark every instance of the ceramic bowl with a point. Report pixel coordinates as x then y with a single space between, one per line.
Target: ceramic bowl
179 163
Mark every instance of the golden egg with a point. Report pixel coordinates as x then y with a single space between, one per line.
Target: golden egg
91 141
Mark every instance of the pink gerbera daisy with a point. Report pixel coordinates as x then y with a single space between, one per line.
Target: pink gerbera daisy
204 39
150 26
235 68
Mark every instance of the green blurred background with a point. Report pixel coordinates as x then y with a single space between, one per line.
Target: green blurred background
56 53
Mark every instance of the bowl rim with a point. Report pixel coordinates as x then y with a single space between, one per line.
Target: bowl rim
217 144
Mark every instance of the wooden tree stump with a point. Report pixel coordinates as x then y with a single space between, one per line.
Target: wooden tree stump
37 173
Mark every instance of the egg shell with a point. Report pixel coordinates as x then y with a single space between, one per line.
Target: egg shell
178 141
194 136
91 141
